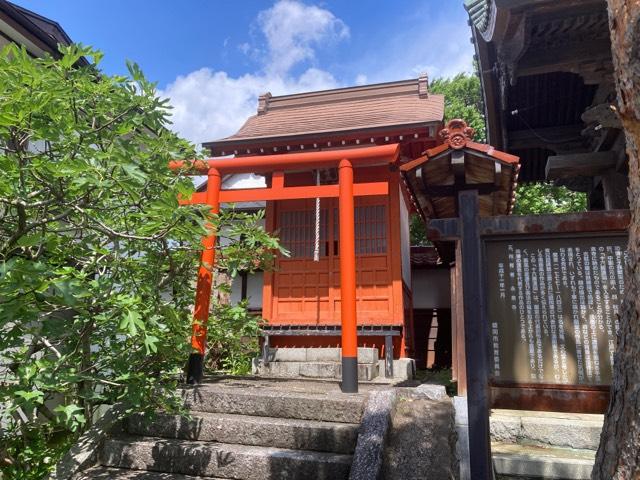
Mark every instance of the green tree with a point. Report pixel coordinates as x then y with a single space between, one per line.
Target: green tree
97 260
463 99
537 198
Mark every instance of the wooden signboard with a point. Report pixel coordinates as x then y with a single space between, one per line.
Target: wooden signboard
552 308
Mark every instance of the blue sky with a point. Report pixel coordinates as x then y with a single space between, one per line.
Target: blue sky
213 58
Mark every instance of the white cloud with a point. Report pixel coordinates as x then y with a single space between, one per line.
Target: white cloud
210 104
361 79
441 49
292 30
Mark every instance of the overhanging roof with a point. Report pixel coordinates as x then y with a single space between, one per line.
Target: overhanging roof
542 64
36 33
371 108
461 164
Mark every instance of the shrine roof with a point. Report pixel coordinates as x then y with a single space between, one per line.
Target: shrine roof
436 178
368 108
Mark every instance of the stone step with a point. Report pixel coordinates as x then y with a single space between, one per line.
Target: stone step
292 354
366 371
105 473
249 430
542 462
278 403
556 429
208 459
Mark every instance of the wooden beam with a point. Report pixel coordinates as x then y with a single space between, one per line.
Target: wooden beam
580 164
457 165
603 114
551 138
576 57
380 154
289 193
557 223
443 229
452 190
497 173
277 179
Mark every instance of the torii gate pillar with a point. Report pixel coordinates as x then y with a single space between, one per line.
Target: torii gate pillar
348 279
195 367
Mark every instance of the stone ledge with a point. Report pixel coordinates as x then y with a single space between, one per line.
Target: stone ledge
105 473
551 463
211 459
547 429
249 430
369 454
84 453
295 354
403 368
314 370
275 403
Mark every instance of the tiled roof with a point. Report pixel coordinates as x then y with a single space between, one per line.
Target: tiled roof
434 180
370 107
422 257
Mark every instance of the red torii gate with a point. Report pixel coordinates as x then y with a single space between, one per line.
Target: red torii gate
345 160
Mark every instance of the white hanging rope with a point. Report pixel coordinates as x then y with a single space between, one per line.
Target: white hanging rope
316 246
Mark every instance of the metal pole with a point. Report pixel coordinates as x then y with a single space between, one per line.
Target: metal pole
348 279
476 337
195 366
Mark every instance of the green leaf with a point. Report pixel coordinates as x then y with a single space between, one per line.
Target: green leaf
150 342
71 415
134 172
131 321
30 397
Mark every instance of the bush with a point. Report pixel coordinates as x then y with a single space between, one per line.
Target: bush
97 260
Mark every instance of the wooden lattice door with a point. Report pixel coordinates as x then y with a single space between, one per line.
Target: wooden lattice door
307 291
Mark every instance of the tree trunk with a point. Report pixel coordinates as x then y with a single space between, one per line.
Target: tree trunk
619 452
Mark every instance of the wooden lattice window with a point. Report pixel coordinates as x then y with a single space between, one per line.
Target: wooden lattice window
298 232
370 229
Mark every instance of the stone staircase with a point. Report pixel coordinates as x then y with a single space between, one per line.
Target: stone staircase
239 431
544 444
321 363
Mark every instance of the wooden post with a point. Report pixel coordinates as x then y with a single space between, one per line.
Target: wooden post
195 366
454 326
615 186
476 339
459 339
348 279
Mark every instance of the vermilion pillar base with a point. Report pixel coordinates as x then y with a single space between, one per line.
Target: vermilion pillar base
349 375
195 368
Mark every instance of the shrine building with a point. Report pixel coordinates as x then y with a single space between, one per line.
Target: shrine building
288 159
304 291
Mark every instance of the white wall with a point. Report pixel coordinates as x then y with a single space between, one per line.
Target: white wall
245 180
254 281
431 288
254 290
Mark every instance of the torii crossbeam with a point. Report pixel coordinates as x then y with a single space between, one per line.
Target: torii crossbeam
344 160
